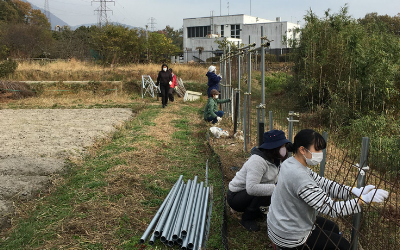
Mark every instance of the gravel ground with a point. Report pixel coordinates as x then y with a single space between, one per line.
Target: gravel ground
34 144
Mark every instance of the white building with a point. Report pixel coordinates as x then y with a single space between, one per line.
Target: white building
199 34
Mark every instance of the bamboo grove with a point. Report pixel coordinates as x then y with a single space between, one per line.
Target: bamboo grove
346 72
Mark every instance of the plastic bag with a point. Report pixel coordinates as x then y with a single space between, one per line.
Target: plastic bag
219 132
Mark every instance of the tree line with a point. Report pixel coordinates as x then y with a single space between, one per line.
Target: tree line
26 33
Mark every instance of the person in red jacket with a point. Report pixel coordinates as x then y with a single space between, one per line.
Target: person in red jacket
172 87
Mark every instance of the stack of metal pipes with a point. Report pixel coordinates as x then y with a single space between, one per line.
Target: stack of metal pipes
181 218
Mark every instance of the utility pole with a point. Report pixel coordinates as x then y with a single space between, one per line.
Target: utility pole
152 23
102 11
47 11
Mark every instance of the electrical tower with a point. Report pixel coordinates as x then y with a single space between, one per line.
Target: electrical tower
102 11
47 11
152 23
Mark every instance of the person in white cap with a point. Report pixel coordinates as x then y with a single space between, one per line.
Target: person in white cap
213 80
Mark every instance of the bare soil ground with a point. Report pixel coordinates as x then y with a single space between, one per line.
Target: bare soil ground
34 145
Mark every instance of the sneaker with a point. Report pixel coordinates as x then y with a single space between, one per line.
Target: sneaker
250 225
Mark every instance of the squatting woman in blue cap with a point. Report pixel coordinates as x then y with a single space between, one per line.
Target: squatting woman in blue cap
254 183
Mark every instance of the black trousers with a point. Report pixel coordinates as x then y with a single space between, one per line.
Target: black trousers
164 93
250 205
325 236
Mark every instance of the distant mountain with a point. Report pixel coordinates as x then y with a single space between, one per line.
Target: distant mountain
54 19
57 21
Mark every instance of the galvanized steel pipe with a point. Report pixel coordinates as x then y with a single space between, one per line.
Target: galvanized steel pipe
178 225
189 208
157 216
172 214
164 215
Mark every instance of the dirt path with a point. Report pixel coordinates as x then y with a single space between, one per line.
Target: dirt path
35 143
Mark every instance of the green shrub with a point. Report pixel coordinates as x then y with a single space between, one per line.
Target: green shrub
7 67
384 140
270 57
285 58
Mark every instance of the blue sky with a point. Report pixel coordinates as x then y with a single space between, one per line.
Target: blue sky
172 12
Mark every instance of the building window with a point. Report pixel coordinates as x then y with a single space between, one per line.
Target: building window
198 31
235 31
222 30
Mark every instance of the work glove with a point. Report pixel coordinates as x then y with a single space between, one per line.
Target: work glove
375 195
229 100
219 118
170 83
362 191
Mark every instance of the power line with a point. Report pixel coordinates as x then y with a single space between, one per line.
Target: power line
102 11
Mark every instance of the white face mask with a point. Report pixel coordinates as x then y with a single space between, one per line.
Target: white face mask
282 151
165 69
216 96
316 158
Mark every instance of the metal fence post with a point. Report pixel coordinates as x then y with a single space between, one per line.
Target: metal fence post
360 183
236 115
271 125
245 121
260 124
323 162
290 128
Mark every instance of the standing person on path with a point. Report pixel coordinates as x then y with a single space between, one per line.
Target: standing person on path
164 79
300 193
211 112
213 80
172 87
254 183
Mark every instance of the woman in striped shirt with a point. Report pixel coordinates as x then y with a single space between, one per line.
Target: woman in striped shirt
300 192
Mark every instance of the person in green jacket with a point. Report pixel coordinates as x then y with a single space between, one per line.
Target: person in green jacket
211 112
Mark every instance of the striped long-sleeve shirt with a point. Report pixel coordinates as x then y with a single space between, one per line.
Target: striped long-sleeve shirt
299 193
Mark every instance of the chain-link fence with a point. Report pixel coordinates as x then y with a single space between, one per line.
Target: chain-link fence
351 162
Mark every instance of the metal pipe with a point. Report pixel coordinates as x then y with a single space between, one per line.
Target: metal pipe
191 197
196 216
262 74
172 214
245 121
158 214
152 239
360 184
199 221
164 215
206 184
186 234
271 125
323 162
235 115
203 220
182 209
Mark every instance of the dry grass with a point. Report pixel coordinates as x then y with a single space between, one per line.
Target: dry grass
74 70
14 90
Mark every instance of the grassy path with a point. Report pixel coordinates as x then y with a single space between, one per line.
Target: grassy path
106 200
